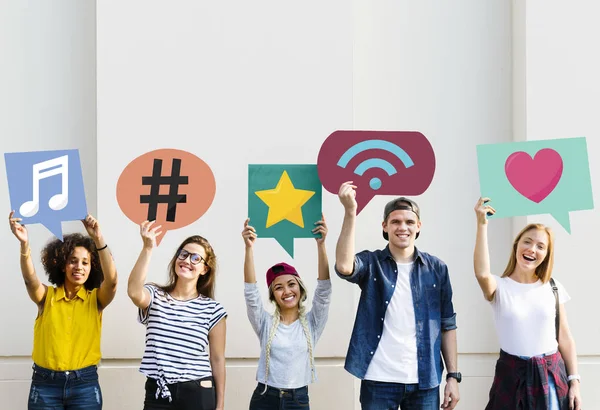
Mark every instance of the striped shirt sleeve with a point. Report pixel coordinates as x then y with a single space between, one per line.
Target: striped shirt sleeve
144 314
218 314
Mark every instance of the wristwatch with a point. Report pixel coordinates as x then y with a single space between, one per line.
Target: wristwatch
574 377
456 375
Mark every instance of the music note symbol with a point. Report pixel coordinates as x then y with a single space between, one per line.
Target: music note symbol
43 170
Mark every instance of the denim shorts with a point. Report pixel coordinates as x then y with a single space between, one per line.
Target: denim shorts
73 389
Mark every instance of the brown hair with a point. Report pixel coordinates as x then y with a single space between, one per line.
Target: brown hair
544 270
206 283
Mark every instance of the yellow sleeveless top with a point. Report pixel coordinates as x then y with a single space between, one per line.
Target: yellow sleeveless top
66 335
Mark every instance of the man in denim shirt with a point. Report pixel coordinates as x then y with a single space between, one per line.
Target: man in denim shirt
405 321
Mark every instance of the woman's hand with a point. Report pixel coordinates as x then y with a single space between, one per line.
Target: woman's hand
249 234
149 233
574 395
93 229
481 210
17 229
322 229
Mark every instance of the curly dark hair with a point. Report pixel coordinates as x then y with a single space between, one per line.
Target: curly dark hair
56 254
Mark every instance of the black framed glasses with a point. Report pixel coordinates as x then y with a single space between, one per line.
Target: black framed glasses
194 257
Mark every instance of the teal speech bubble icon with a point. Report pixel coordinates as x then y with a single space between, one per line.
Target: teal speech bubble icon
284 202
536 177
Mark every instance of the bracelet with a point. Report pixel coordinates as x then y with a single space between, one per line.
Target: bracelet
104 247
574 377
26 253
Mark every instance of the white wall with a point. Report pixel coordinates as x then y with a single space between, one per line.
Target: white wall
48 101
233 83
239 83
563 89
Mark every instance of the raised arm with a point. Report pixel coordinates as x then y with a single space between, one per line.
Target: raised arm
249 235
323 264
344 250
108 288
481 255
257 315
319 312
136 291
35 288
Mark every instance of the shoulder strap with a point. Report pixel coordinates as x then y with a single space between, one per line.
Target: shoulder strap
557 319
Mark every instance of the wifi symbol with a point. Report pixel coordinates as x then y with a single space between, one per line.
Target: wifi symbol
375 183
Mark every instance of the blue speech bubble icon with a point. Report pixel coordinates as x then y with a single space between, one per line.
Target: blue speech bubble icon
46 187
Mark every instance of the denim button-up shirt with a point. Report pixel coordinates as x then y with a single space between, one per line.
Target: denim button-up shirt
376 273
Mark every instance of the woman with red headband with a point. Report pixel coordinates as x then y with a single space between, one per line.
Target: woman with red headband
287 338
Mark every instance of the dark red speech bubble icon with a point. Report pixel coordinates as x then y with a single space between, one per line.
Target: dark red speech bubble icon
379 163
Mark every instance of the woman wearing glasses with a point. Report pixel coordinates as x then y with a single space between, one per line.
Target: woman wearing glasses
184 358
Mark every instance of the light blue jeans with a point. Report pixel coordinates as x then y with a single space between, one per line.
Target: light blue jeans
552 394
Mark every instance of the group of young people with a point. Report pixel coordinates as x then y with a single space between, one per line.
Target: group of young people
404 334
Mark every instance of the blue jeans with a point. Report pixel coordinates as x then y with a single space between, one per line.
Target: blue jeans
69 390
279 399
552 394
388 396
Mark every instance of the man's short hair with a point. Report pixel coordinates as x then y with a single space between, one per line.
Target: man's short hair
400 203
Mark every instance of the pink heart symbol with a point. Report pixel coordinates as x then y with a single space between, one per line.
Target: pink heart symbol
534 178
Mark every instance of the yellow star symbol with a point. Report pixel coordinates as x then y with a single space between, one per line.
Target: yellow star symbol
285 202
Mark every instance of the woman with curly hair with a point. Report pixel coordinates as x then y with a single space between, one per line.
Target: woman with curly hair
183 325
67 330
287 338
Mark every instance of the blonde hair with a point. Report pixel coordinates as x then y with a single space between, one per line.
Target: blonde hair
544 270
277 320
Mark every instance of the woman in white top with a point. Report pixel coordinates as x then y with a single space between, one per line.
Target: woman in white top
184 357
288 337
531 372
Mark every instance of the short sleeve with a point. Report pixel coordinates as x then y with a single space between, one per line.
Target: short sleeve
218 314
144 314
499 285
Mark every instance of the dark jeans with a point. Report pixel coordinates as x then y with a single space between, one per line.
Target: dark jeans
279 399
184 396
388 396
68 390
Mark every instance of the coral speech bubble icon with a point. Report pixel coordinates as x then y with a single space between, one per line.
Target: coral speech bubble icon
379 163
170 186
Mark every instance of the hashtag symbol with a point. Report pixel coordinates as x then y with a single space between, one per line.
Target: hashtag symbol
155 181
